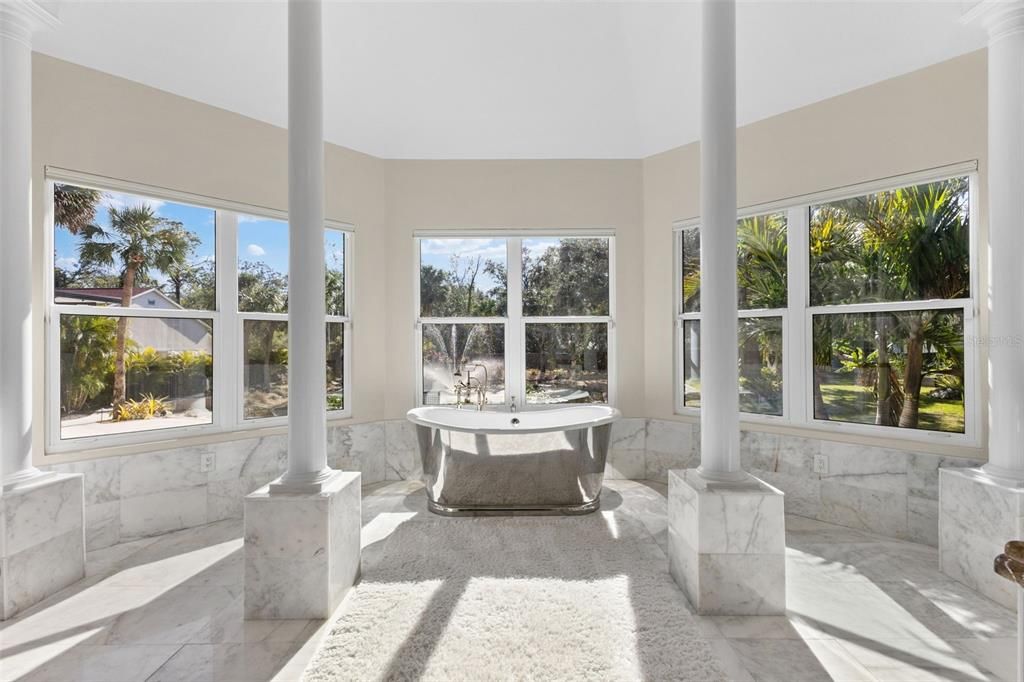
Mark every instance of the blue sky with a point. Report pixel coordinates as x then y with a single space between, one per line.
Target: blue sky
263 240
259 239
439 252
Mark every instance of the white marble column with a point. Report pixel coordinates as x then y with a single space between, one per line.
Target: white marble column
307 355
302 532
719 375
18 20
726 534
980 509
1004 22
42 515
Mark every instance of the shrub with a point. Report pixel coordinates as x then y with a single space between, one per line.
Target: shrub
146 407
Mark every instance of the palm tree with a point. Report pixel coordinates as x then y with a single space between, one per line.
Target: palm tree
902 245
140 241
74 207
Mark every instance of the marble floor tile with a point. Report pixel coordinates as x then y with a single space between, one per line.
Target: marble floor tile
243 662
91 663
860 607
797 660
915 659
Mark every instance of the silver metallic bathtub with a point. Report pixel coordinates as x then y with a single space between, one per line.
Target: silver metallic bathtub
549 461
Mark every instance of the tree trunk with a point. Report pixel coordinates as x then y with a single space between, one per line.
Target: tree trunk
913 376
820 408
120 340
883 376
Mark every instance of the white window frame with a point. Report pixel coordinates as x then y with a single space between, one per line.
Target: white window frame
798 408
228 355
515 322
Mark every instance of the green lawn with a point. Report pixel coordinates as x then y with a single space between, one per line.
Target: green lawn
850 402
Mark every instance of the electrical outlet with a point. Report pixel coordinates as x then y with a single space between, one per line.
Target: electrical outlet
821 464
208 462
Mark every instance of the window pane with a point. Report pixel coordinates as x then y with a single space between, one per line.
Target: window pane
463 277
761 261
112 248
127 374
901 369
335 366
906 244
761 253
691 270
265 372
262 265
457 356
334 286
566 363
565 277
760 346
760 364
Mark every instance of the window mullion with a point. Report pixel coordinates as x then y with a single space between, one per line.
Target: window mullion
227 343
796 342
515 352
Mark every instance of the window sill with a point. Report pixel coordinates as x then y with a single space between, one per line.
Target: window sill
909 442
170 442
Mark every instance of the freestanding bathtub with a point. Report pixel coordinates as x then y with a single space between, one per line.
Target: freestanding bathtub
549 461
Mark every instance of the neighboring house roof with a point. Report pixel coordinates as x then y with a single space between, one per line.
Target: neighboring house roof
107 294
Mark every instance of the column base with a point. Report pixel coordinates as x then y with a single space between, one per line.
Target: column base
42 539
977 515
727 544
302 550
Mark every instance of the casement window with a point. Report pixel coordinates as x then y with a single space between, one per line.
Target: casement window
167 314
515 318
856 309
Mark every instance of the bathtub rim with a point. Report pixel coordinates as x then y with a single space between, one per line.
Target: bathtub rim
418 416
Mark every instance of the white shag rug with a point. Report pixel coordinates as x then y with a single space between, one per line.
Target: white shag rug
517 598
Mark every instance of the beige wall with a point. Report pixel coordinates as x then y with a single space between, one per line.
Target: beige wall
95 123
926 119
91 122
517 194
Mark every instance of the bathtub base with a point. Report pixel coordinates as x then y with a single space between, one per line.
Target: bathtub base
525 510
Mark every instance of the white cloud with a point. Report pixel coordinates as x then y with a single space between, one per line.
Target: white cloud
255 250
66 262
245 218
119 201
465 248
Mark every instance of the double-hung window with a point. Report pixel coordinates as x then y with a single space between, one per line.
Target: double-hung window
762 293
523 319
855 309
169 311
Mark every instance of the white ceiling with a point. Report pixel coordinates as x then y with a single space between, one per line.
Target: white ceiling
509 80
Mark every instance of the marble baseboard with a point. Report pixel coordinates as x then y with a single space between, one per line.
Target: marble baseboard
301 552
42 540
976 517
727 545
887 491
133 496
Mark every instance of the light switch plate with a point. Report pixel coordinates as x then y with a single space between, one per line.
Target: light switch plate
821 464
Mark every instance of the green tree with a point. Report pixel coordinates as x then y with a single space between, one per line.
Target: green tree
901 245
74 208
86 359
137 242
262 289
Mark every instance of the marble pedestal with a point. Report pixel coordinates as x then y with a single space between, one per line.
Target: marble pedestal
301 550
727 545
977 515
42 540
